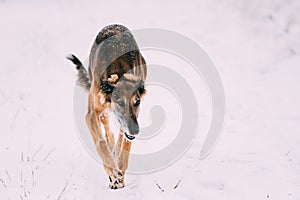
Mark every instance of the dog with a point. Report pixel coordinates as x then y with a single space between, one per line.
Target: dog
115 84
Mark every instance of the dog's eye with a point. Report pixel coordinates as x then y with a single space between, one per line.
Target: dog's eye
137 102
121 103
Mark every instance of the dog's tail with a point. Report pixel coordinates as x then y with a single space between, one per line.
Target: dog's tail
82 77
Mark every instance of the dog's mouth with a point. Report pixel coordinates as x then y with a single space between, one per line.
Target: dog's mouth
129 137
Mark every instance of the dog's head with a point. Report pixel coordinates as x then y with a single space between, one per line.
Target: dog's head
125 96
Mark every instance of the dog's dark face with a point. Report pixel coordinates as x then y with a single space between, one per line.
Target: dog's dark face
125 98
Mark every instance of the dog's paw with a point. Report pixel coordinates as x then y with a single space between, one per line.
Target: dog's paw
116 180
116 185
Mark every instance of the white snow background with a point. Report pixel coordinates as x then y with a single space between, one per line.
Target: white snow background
255 45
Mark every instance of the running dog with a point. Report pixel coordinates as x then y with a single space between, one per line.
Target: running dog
115 84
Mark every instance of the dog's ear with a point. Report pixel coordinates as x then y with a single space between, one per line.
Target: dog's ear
113 79
107 86
139 83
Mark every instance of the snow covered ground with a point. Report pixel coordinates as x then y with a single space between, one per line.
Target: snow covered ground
255 46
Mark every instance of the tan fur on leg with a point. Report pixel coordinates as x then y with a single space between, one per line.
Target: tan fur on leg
118 146
124 156
104 118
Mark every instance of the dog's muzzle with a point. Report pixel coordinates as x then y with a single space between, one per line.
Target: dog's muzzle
129 137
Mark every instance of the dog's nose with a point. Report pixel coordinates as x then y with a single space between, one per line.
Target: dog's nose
133 128
134 131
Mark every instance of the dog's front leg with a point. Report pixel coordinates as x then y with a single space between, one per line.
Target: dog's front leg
93 123
123 147
115 175
104 118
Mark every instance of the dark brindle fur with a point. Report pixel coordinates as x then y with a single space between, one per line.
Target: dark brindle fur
115 82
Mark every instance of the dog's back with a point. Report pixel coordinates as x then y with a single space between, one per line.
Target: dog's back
115 52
